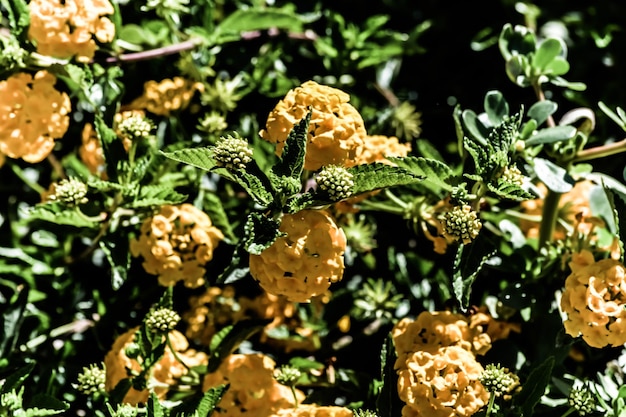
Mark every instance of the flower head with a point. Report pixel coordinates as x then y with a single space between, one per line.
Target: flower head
305 261
162 319
498 380
594 301
167 96
253 390
377 147
287 375
582 400
70 191
461 223
313 410
176 244
232 152
32 115
336 131
91 380
66 29
336 181
133 125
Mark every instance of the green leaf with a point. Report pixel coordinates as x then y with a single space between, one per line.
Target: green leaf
370 177
553 176
111 145
228 339
468 263
474 127
291 162
116 248
558 66
256 184
65 217
260 232
510 191
387 401
157 195
198 157
560 82
426 149
17 378
496 107
253 19
548 50
18 15
535 385
210 400
541 110
516 40
214 208
431 170
11 322
46 405
552 135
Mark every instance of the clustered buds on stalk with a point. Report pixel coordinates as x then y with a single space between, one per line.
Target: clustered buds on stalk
336 181
91 380
287 375
512 174
162 319
461 223
135 126
232 152
582 400
70 191
498 380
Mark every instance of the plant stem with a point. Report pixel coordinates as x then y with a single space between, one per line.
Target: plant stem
20 173
601 151
155 53
568 412
492 399
549 217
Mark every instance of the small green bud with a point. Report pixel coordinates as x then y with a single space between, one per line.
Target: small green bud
213 122
162 320
461 223
70 191
498 380
123 410
364 413
336 181
11 54
287 375
232 153
513 175
135 127
582 400
91 380
12 400
132 350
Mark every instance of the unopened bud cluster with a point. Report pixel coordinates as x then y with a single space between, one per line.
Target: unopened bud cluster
70 191
162 319
232 152
582 400
91 380
11 54
461 223
513 175
135 127
336 181
287 375
498 380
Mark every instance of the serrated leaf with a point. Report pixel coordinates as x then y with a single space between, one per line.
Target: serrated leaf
428 150
535 385
260 232
116 249
553 176
291 162
252 19
468 263
301 202
210 400
229 338
18 15
158 195
112 147
552 135
431 170
198 157
64 217
510 191
370 177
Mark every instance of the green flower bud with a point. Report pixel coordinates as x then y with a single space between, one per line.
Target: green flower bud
12 401
461 223
91 380
162 320
123 410
513 175
498 380
336 181
232 153
582 400
70 191
364 413
287 375
135 127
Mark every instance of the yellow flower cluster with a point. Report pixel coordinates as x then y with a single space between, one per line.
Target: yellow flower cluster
66 28
573 203
438 374
312 410
176 244
253 391
377 147
594 300
218 307
163 374
32 115
336 132
167 96
304 262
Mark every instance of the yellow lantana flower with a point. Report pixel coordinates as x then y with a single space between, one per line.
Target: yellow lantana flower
32 115
66 29
304 262
166 96
336 131
176 244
